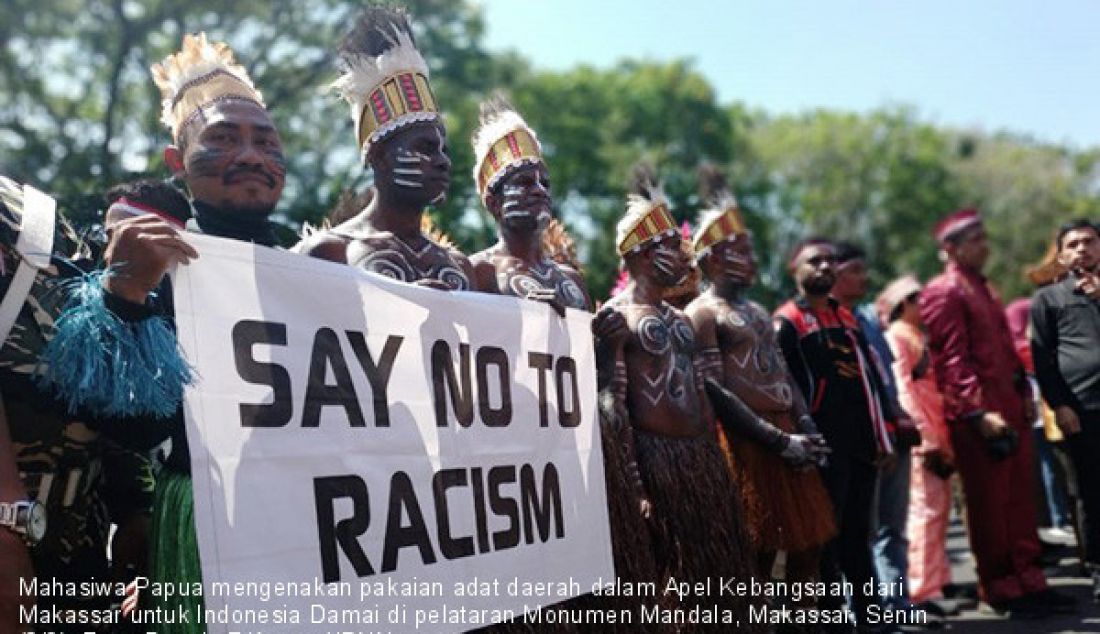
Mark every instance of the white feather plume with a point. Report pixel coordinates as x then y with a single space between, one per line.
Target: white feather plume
500 124
197 58
363 73
637 207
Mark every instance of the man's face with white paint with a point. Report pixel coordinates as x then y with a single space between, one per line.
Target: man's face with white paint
520 202
416 162
670 265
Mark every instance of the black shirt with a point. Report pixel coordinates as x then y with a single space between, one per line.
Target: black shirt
1065 344
829 359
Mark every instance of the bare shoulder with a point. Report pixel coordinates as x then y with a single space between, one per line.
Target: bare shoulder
324 245
702 309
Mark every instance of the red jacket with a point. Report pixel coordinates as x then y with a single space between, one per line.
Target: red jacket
972 349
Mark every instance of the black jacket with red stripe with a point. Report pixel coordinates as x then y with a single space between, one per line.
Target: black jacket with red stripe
831 363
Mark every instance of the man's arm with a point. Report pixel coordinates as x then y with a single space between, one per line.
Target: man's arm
944 313
1044 351
787 338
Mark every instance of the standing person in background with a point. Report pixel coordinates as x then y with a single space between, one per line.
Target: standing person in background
690 498
892 495
513 182
987 406
786 506
1065 320
830 362
929 511
1060 522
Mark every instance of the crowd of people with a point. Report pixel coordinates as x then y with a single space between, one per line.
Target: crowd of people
818 442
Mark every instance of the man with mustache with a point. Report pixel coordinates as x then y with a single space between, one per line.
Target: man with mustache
774 463
514 184
988 408
401 138
695 508
831 364
228 153
1065 320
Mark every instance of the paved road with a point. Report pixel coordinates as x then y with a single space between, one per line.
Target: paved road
1064 577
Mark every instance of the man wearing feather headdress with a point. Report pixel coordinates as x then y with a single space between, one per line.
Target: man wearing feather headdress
514 184
400 134
695 509
774 459
226 150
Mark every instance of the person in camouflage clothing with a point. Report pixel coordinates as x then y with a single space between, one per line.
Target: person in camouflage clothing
85 481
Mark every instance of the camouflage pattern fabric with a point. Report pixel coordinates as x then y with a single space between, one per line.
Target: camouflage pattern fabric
84 480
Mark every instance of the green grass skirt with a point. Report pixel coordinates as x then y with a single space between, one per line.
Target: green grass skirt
175 556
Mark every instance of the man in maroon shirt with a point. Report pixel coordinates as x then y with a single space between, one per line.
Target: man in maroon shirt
987 404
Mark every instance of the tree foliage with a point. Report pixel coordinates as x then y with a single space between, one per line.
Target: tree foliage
80 114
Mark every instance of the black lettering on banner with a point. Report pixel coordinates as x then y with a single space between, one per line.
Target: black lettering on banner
541 362
378 374
331 533
504 507
327 352
247 334
571 416
478 485
403 502
540 512
444 380
502 416
449 546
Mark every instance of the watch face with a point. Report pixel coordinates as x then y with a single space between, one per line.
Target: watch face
36 523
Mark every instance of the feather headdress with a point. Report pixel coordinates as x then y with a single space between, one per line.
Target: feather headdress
721 220
385 79
647 215
502 142
202 72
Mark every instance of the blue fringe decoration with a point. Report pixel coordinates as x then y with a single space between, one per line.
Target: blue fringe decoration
110 367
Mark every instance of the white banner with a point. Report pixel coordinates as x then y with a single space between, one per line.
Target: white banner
366 452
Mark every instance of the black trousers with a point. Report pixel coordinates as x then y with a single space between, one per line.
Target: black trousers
1084 450
851 486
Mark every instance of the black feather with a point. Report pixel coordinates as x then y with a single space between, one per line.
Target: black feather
712 184
373 31
643 179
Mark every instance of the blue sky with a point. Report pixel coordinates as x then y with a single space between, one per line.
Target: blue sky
1026 66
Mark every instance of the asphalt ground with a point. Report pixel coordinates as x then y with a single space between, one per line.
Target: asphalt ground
1064 574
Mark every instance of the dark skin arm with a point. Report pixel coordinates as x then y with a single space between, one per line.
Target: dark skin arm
578 279
324 246
484 279
611 332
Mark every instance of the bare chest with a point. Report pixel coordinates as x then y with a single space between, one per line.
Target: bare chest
388 255
515 277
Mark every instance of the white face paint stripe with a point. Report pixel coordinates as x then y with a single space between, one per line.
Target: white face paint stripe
662 266
408 170
405 183
407 157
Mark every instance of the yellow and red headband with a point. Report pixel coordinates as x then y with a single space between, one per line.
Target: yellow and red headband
718 225
388 91
646 220
502 143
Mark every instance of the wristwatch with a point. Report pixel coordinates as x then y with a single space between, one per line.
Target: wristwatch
28 518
